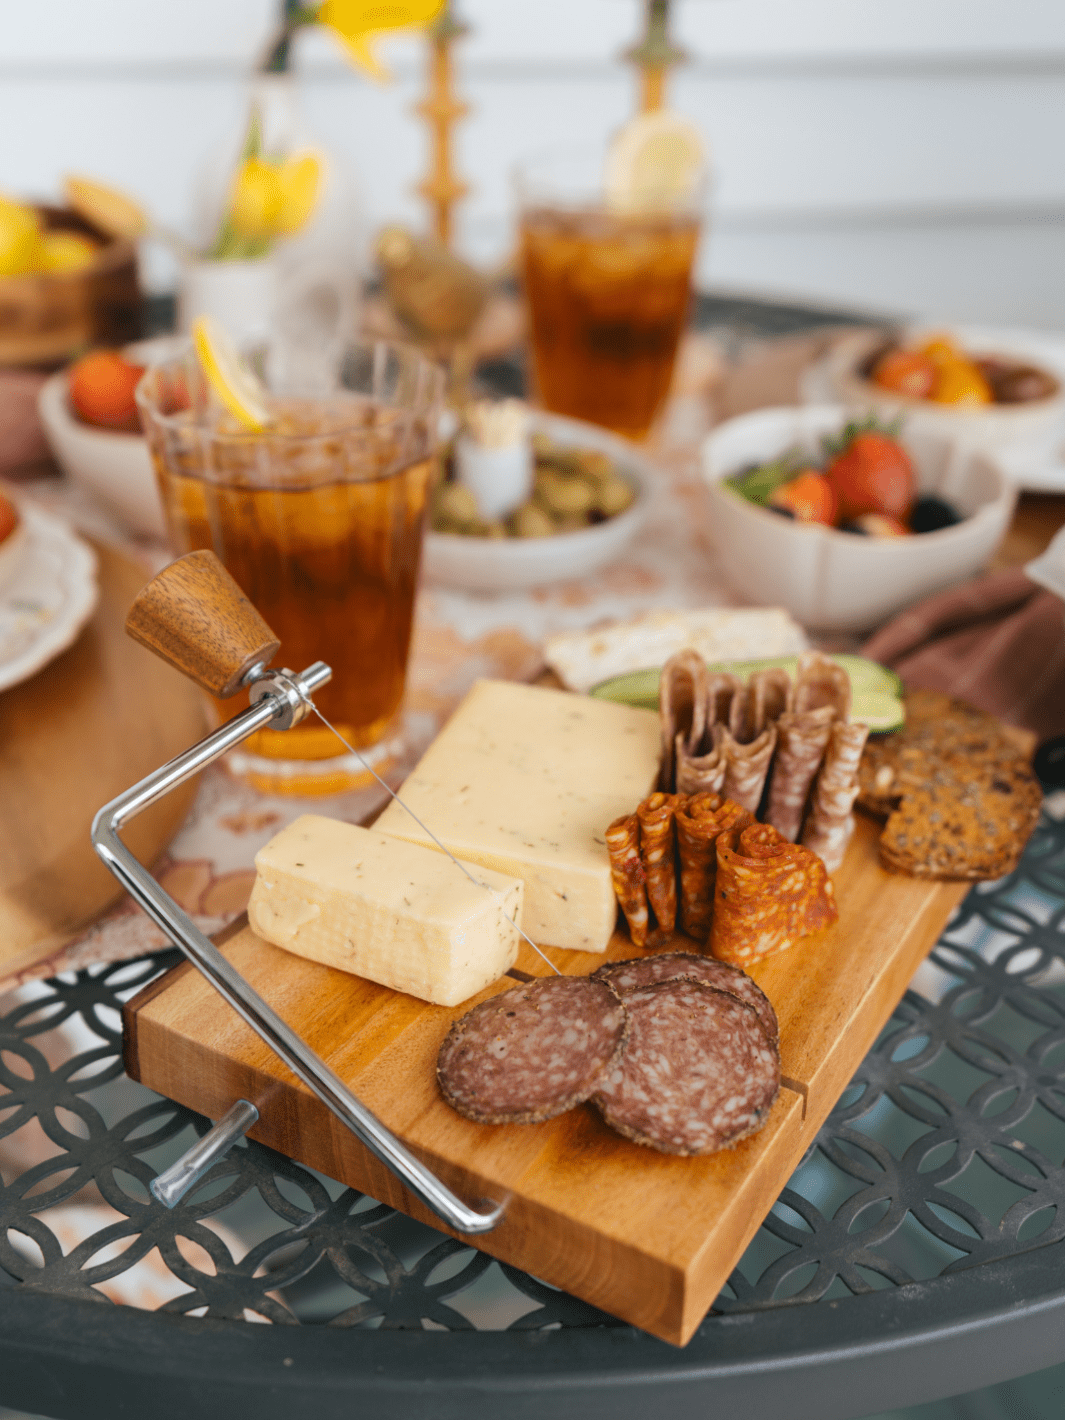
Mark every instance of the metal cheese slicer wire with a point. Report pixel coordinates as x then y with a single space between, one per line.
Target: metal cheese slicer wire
195 617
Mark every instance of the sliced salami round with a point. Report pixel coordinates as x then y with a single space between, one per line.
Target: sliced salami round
532 1052
697 1073
629 976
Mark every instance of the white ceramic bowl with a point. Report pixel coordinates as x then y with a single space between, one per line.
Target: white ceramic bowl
837 581
482 564
115 468
1026 437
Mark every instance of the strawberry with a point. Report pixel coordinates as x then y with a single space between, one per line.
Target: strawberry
871 473
808 497
101 391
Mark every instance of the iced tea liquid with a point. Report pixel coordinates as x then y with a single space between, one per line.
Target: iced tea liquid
324 536
608 300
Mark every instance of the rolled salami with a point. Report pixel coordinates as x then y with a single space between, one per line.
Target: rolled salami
658 855
741 716
697 1072
771 693
801 741
627 875
625 977
831 822
683 696
819 681
721 689
746 766
769 893
699 824
699 774
532 1052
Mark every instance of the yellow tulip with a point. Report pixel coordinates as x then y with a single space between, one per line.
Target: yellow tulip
356 23
256 199
299 178
20 236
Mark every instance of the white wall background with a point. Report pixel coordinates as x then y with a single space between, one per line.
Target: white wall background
900 155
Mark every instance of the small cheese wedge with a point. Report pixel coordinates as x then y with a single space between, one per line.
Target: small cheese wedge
526 780
391 911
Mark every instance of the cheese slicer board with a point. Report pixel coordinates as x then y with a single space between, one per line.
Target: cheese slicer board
648 1237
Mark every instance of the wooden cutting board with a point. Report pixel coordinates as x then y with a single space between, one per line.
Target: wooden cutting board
91 723
648 1237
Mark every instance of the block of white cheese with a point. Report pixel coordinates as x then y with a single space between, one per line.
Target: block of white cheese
391 911
526 780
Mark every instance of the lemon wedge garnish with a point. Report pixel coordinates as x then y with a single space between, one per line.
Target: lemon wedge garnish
655 164
227 374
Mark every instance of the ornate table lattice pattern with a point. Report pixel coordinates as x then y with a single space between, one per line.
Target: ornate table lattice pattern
945 1152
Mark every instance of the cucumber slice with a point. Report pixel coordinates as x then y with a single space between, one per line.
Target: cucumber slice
880 711
870 675
640 688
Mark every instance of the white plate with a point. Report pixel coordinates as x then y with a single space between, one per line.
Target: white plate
48 600
482 564
827 381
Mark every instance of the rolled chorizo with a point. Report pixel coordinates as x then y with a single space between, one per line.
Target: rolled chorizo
627 875
769 894
699 824
658 855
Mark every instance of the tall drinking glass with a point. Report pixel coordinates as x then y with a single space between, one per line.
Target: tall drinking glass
319 518
607 292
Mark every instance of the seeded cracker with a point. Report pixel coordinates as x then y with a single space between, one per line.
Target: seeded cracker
961 800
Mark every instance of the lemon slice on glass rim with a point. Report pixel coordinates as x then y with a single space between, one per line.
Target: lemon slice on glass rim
655 163
228 375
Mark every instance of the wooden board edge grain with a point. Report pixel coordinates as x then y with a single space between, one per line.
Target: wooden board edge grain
132 1008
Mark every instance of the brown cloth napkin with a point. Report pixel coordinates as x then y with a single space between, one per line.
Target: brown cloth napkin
997 642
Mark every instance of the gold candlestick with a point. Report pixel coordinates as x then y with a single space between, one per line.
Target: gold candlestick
442 188
655 56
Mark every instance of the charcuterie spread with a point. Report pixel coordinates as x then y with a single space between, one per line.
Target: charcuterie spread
958 795
676 1051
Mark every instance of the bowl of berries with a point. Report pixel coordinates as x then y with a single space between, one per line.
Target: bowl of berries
1003 391
846 521
90 419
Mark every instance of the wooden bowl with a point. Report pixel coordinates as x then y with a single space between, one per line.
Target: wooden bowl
47 317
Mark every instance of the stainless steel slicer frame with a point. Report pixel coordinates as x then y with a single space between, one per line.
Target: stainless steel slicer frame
280 699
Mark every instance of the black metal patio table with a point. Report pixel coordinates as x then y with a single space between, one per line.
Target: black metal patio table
916 1252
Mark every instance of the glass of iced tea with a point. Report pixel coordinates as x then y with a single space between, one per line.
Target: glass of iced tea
607 292
319 517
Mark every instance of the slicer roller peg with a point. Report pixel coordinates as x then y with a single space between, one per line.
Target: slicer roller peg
170 1187
197 619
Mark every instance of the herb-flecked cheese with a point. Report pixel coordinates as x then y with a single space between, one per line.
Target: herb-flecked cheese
385 909
526 780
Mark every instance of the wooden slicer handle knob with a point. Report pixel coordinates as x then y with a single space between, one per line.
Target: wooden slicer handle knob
195 617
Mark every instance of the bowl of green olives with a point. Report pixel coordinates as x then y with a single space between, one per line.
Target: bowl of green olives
590 496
